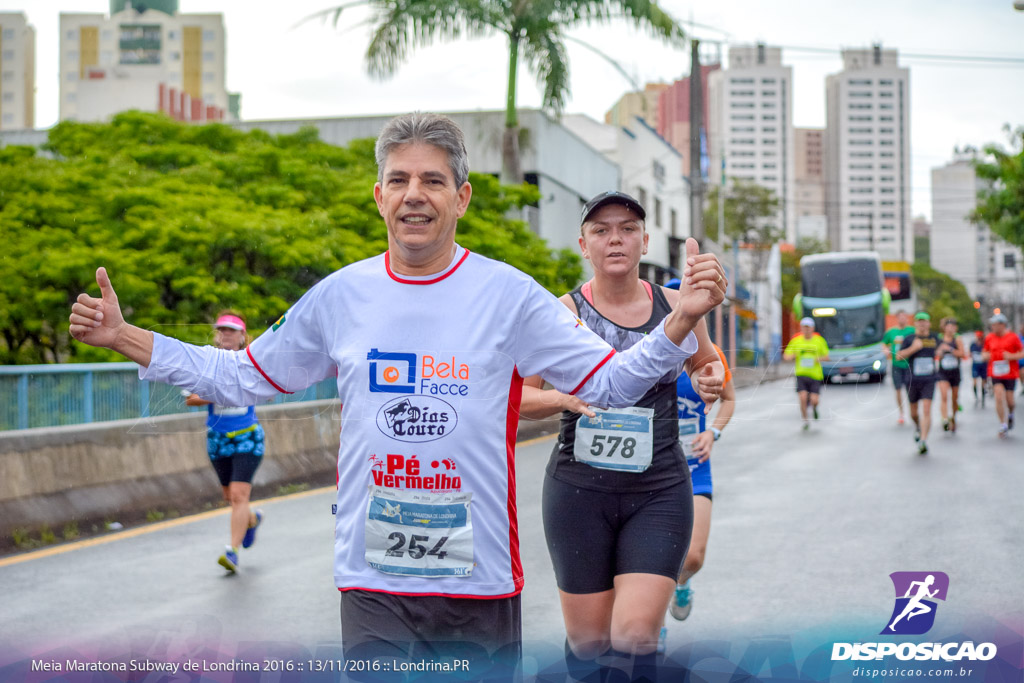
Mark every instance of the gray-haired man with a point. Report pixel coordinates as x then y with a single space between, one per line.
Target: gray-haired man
430 344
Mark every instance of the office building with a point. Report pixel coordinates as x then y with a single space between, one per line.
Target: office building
17 72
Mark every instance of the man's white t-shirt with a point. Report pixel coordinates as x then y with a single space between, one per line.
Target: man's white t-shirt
429 375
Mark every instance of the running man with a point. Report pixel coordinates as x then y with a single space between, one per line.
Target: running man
951 352
900 369
451 334
234 442
697 441
920 349
808 349
1003 352
979 368
915 607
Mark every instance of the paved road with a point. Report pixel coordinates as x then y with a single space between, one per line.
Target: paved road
806 529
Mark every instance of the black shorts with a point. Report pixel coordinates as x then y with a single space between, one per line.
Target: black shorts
900 377
951 376
1008 382
432 629
593 536
808 384
921 390
979 370
239 467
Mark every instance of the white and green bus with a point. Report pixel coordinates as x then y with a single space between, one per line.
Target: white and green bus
844 292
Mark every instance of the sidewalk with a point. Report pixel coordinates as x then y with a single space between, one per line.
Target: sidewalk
741 377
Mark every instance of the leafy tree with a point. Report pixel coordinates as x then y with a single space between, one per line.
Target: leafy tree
193 219
942 296
791 267
749 210
536 32
1001 206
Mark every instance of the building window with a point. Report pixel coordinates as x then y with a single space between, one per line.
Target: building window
208 77
860 105
768 153
174 56
888 214
71 76
768 93
741 93
742 129
860 81
742 117
862 179
885 81
861 142
8 97
768 105
887 202
70 97
855 131
768 179
862 154
769 129
886 93
741 81
886 179
860 93
172 35
8 55
209 36
768 141
885 143
885 130
8 75
72 55
887 190
861 167
741 141
768 117
767 81
885 118
885 167
740 153
885 105
208 55
8 34
106 34
885 154
771 165
641 195
861 190
673 221
72 34
657 212
741 105
106 57
855 119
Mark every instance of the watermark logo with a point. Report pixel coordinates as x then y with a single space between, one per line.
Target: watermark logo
916 596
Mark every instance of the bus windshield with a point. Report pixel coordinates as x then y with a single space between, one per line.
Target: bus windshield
851 327
832 279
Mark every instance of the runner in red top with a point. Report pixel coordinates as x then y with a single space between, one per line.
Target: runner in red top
1003 350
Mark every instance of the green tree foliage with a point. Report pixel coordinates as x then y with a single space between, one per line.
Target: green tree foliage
749 209
1001 207
942 296
791 267
535 30
192 219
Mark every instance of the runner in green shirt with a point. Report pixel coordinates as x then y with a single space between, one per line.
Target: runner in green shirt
808 349
893 339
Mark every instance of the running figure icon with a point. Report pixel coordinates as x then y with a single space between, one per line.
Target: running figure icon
915 607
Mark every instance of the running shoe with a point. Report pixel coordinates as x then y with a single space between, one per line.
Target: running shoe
1009 421
922 448
662 641
952 425
945 424
917 435
807 425
815 409
250 533
682 602
229 560
900 420
1004 431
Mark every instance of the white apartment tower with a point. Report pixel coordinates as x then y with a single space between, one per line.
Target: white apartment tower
17 72
867 155
751 123
109 64
991 269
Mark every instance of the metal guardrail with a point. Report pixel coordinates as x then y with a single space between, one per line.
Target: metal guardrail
80 393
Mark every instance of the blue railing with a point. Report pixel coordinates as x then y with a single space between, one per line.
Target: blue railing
69 394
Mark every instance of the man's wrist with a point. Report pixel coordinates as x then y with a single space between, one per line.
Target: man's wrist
716 432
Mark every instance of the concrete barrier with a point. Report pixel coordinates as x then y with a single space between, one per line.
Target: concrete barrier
119 470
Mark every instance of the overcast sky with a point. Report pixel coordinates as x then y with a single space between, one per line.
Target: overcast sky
286 70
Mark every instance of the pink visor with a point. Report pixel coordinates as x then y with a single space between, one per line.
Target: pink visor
232 322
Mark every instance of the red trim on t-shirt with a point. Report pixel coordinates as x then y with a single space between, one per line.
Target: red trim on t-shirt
387 266
517 591
591 373
515 395
265 375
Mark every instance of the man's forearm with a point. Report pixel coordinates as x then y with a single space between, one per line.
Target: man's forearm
135 344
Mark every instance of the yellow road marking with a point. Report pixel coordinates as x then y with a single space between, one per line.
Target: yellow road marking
149 528
158 526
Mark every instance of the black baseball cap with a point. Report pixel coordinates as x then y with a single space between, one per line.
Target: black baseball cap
613 197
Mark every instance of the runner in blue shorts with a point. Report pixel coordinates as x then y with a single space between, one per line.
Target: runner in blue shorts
979 368
697 442
234 442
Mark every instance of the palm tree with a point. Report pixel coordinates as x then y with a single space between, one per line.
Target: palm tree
536 31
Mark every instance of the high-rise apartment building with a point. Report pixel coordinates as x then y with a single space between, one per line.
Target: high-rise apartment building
751 125
991 269
17 72
674 113
809 183
867 155
632 104
112 63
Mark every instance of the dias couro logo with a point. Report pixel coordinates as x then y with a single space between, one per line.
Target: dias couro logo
416 418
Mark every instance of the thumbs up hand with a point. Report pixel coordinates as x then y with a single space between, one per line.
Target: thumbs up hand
703 285
97 322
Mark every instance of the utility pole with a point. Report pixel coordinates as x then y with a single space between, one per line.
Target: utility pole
696 126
